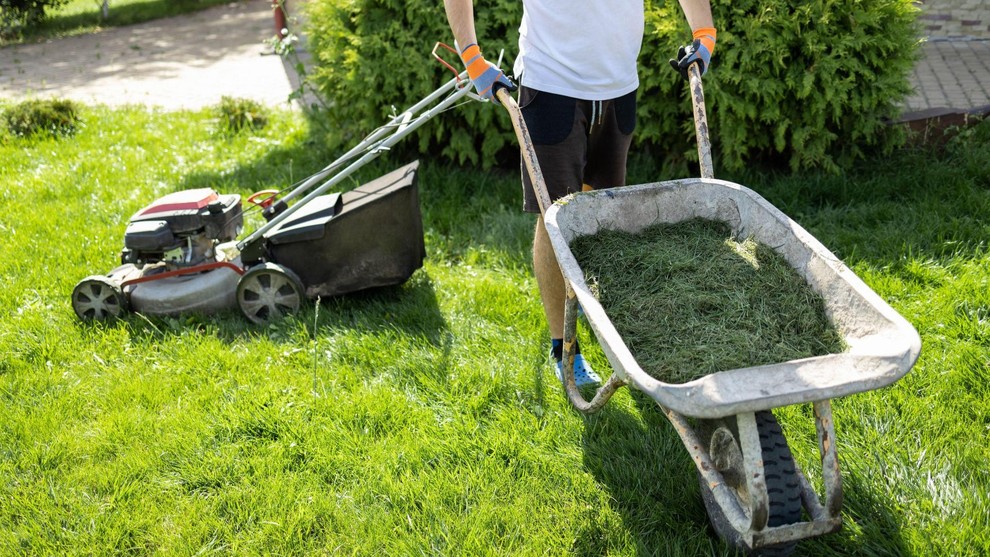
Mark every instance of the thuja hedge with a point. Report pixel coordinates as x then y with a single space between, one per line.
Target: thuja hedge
373 56
812 83
807 84
16 15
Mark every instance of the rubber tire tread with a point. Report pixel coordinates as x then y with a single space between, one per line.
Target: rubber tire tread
779 471
783 488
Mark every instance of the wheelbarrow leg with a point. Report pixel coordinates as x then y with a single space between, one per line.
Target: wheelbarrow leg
606 391
829 513
755 475
753 490
830 460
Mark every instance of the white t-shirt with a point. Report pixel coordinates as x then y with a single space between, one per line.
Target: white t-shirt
586 49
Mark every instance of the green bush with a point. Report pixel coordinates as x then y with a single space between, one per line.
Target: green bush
16 15
810 85
236 114
373 56
53 116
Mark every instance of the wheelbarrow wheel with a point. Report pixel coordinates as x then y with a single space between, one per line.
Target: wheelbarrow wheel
97 298
268 292
780 473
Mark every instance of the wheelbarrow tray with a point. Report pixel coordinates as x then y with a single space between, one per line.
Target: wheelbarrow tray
881 345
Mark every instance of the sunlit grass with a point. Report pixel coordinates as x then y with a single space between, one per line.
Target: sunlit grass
424 419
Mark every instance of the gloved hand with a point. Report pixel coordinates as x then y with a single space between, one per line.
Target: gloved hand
484 75
700 51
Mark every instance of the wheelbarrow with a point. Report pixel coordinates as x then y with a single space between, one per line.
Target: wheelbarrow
753 490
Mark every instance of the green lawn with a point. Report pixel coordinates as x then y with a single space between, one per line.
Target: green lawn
424 419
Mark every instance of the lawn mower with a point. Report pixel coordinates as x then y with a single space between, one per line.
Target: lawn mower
181 252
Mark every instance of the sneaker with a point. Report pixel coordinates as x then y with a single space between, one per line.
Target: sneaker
583 374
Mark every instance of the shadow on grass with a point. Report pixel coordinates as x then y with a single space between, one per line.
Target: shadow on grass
654 487
871 525
410 309
650 477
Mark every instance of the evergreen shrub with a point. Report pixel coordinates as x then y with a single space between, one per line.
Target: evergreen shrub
16 15
810 84
807 84
36 116
373 57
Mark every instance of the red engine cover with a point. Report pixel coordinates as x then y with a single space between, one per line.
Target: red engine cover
180 202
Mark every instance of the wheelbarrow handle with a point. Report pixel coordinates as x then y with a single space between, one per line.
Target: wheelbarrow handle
614 382
701 122
526 148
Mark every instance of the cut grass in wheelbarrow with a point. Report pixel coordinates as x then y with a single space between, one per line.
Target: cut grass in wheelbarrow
690 300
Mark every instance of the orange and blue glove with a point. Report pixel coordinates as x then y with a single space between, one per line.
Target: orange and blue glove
485 76
700 51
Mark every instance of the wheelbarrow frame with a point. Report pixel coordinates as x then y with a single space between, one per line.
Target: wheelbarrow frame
879 353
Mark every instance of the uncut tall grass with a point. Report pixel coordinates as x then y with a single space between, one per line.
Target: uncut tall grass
424 419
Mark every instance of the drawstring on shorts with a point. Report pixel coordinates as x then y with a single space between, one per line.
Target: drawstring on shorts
597 113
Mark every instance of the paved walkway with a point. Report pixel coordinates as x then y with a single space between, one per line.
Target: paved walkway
190 61
951 77
187 61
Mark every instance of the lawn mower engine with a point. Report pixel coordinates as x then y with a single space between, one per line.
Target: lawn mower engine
168 265
181 229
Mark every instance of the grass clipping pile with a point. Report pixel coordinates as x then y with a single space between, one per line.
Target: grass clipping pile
689 300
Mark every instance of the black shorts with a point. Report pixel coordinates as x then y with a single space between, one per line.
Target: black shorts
577 142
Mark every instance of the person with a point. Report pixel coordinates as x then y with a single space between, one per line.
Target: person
578 76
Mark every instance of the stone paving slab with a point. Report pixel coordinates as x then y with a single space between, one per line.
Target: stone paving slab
952 76
187 61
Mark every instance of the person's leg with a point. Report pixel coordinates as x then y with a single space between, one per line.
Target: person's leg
593 154
559 133
605 131
548 278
